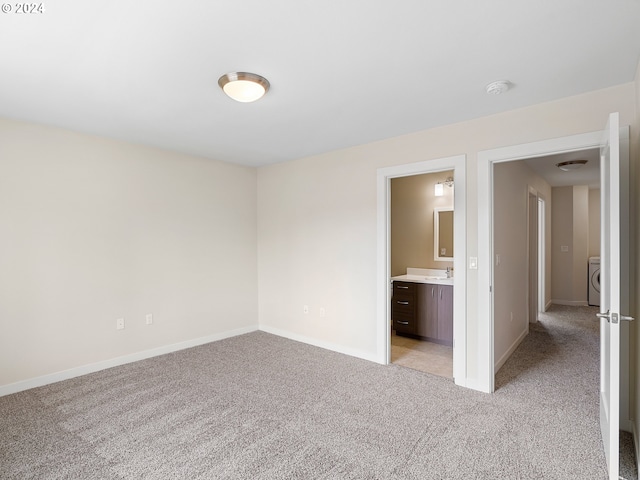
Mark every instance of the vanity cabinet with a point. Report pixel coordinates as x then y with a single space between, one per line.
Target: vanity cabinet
403 308
445 314
423 310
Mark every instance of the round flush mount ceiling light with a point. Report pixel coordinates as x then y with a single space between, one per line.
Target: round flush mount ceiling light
570 165
496 88
243 86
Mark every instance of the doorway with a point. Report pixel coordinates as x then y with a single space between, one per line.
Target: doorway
458 165
521 238
537 255
533 252
421 239
542 257
487 161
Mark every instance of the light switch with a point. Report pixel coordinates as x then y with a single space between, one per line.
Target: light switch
473 263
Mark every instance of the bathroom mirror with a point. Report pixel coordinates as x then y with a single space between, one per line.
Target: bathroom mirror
443 234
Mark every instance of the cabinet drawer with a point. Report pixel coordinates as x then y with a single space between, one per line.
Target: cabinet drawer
404 323
403 304
403 288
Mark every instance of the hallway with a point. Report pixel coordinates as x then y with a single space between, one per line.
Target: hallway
556 367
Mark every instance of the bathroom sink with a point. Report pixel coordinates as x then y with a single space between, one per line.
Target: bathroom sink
433 277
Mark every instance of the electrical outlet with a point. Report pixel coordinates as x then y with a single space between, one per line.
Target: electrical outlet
305 309
120 324
148 319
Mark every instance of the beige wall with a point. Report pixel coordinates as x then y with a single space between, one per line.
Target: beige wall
412 221
570 228
511 189
594 222
317 219
580 243
562 235
92 230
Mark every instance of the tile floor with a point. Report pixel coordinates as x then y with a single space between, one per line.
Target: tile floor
420 355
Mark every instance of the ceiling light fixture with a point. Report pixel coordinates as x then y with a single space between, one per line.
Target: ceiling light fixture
243 86
496 88
570 165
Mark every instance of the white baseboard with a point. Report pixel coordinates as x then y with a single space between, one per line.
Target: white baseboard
570 303
114 362
334 347
548 305
501 361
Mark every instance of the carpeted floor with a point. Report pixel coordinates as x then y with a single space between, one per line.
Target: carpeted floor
259 406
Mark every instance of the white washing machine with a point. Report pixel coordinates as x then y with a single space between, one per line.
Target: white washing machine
594 281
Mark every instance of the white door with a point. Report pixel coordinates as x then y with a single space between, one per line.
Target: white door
610 315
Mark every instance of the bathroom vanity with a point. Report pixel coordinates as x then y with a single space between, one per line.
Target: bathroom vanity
422 306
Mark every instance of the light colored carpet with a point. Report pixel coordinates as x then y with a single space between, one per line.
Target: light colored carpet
628 464
262 407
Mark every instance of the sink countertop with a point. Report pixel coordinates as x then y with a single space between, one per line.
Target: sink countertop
422 279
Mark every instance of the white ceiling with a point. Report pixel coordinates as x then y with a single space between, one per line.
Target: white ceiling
342 73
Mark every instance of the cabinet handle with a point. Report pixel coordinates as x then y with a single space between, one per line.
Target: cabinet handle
403 303
432 289
402 323
402 286
440 294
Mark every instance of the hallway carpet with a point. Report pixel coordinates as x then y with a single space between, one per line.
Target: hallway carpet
259 406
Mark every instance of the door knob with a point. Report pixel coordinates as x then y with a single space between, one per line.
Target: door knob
614 317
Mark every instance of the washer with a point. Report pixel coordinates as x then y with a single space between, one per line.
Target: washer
594 281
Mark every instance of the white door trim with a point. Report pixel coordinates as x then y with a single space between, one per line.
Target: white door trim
486 160
532 250
383 304
542 254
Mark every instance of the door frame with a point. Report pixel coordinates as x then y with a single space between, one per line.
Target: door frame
383 305
542 254
486 161
533 249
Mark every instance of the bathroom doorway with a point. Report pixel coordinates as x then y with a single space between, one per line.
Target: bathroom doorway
458 345
422 254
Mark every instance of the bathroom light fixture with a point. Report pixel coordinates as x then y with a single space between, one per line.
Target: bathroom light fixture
496 88
438 189
243 86
570 165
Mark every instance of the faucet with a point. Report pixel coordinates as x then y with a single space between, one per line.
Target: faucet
448 272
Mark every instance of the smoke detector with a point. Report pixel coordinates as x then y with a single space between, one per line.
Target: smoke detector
496 88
